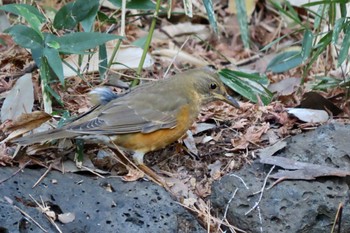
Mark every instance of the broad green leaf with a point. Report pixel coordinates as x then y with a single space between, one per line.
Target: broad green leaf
244 86
285 61
64 17
261 79
338 26
135 4
25 36
30 13
102 55
307 45
85 12
37 55
55 63
243 22
83 9
79 42
344 49
208 4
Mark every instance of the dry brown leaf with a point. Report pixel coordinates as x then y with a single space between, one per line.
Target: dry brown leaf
301 170
215 169
285 87
133 174
26 122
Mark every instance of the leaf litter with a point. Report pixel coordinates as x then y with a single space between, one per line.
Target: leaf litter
234 134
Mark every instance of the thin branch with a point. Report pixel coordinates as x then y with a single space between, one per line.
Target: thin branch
261 191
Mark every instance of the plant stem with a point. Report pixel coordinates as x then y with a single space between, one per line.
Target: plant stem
147 44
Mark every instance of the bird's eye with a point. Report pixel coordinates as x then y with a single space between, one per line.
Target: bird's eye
213 86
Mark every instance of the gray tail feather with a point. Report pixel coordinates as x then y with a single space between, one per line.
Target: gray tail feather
44 136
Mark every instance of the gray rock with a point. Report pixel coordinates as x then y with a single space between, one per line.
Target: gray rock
132 207
291 206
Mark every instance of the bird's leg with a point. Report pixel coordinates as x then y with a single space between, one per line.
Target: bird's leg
138 158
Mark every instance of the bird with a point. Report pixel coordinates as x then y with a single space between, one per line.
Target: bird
147 118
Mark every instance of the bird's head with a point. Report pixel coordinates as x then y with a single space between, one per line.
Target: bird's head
209 87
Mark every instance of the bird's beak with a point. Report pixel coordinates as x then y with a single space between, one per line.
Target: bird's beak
230 100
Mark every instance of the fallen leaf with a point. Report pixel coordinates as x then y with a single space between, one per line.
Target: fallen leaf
20 99
25 123
309 115
190 143
285 87
301 170
133 174
271 150
127 57
180 32
215 169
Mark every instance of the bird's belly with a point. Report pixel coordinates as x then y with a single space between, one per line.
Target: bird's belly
159 139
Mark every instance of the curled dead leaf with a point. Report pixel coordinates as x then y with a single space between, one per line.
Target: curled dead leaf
25 123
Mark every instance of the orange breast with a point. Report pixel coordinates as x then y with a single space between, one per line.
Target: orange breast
158 139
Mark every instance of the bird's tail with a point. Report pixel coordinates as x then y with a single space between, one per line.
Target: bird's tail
44 136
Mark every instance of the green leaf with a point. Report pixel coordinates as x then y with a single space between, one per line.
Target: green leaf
85 12
102 56
55 62
246 85
64 17
344 49
211 14
285 61
320 48
290 14
338 26
30 13
135 4
79 42
103 18
320 15
324 83
37 55
140 42
25 36
307 45
243 22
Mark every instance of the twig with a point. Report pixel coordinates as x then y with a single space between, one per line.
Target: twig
240 180
92 171
261 191
44 209
31 219
174 58
43 175
16 172
338 218
226 209
195 210
260 219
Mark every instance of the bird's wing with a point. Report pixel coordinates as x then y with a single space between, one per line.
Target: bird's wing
130 115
